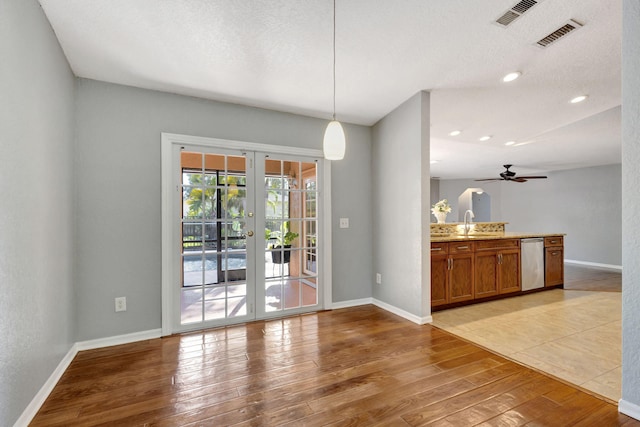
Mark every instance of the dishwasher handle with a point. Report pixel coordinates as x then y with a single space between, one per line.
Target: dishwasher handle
532 240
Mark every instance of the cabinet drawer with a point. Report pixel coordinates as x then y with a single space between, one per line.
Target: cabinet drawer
439 248
553 241
460 248
497 244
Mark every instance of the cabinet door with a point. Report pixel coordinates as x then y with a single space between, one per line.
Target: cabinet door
486 274
461 277
509 267
553 266
439 273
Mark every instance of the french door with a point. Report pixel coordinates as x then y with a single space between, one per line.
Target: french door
245 236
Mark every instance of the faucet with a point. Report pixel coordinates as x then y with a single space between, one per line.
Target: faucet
467 222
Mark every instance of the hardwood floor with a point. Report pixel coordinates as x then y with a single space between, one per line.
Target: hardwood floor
356 366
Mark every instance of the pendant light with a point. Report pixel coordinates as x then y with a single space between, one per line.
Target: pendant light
334 140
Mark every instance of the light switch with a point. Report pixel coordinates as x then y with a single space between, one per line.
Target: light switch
344 222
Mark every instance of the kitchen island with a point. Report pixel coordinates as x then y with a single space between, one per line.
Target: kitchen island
485 263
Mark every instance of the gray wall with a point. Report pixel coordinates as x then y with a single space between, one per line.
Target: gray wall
36 212
401 196
583 203
118 191
434 196
631 204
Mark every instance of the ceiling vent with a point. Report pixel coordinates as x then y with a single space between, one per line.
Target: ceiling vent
516 12
559 33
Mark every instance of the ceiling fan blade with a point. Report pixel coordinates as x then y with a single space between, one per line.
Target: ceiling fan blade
518 179
489 179
533 177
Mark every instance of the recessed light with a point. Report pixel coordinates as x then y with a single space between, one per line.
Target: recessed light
455 133
509 143
511 76
578 99
485 138
434 161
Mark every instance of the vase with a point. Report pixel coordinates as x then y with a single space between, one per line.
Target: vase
441 217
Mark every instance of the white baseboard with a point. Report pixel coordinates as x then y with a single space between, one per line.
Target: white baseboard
34 406
628 408
351 303
594 265
383 305
402 313
119 339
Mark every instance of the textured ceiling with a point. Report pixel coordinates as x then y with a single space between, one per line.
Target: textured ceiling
277 55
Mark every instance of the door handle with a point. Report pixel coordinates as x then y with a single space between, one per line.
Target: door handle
250 233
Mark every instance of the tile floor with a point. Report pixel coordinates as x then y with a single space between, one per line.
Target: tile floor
574 335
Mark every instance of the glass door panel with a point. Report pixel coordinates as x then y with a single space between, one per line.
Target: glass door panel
214 284
290 275
247 234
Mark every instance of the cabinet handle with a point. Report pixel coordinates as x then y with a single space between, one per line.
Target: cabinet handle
553 241
499 258
554 253
463 247
436 249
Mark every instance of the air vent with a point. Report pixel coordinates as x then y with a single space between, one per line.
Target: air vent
516 12
507 18
559 33
523 6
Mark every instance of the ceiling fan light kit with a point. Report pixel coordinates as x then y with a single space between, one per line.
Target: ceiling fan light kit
509 175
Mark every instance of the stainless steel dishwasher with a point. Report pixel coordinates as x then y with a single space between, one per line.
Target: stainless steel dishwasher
532 258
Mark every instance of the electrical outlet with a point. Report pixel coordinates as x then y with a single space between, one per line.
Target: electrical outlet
121 304
379 278
344 222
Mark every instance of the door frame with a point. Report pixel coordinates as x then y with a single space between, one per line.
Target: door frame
171 142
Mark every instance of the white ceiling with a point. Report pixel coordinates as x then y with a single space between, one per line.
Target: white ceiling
277 55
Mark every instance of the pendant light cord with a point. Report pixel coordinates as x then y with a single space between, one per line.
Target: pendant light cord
334 59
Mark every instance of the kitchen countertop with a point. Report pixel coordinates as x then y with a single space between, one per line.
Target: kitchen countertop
490 236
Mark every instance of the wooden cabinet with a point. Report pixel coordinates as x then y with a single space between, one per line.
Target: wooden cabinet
469 270
439 274
461 271
486 274
452 266
497 267
553 261
509 277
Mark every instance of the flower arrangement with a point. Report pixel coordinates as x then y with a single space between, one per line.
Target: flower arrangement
441 206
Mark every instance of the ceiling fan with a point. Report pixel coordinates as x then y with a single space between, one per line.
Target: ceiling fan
508 175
